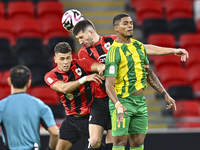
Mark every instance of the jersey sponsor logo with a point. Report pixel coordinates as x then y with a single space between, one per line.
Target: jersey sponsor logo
69 96
107 45
49 80
128 53
102 58
112 69
78 71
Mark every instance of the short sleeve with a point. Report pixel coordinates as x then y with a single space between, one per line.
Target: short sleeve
50 78
47 118
112 61
146 61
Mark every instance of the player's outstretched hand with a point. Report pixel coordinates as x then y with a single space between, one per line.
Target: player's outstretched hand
95 77
171 102
181 52
121 110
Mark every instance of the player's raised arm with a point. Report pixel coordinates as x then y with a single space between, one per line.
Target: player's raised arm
157 50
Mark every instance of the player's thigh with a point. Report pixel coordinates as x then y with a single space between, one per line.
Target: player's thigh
122 128
99 114
63 145
96 133
109 138
74 128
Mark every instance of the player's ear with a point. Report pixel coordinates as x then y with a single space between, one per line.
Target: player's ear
29 83
116 28
55 59
9 81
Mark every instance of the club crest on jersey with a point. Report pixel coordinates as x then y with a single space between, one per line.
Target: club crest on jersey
112 69
78 71
69 96
102 58
107 45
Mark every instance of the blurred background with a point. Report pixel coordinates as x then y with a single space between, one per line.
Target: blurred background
30 29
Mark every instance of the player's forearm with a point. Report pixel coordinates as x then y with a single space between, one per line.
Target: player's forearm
54 136
154 81
111 92
95 66
53 141
69 86
157 50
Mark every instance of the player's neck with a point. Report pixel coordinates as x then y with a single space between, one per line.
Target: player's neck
15 91
97 38
123 39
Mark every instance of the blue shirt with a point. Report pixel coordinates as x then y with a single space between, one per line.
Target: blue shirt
20 118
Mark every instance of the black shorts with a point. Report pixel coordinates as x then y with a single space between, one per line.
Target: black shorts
75 128
100 114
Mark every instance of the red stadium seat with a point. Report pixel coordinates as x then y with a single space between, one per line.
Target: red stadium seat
20 10
28 28
187 108
196 89
198 25
193 74
46 94
53 28
7 31
193 59
190 41
172 76
143 11
2 10
4 78
162 39
178 9
49 9
5 91
160 62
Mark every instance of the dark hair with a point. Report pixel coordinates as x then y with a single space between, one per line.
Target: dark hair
62 47
82 25
19 76
118 18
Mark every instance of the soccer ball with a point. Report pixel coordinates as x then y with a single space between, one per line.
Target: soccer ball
70 18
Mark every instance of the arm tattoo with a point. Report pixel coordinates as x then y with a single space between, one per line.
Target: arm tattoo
153 80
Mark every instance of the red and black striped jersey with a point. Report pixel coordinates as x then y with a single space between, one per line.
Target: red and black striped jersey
79 101
98 53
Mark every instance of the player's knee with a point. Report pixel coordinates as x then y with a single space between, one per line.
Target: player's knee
95 142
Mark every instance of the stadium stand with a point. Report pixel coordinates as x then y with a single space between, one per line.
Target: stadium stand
28 28
49 9
178 9
190 42
46 94
182 25
151 26
54 28
143 11
2 10
6 31
17 10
